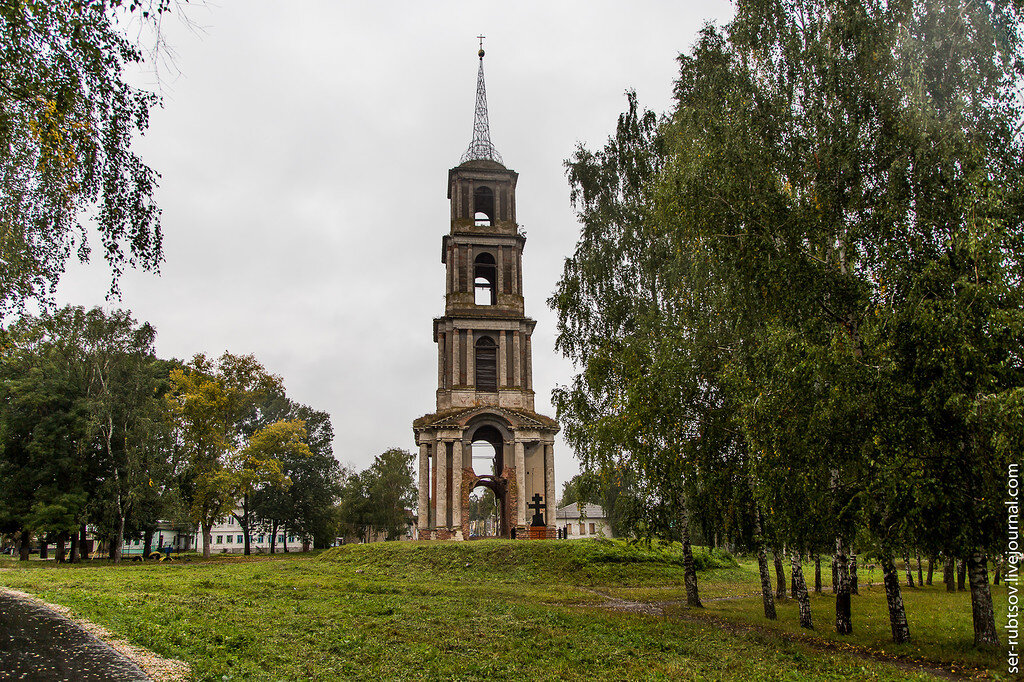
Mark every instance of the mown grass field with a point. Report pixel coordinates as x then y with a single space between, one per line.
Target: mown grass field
491 610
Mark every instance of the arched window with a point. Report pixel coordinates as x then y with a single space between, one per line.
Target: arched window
485 281
486 362
483 206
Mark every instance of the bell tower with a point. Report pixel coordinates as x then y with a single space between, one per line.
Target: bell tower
484 362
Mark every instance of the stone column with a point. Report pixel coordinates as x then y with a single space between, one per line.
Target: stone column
440 359
516 282
528 370
549 483
521 482
459 450
519 271
442 484
456 365
470 359
423 510
502 360
432 504
499 278
452 264
517 361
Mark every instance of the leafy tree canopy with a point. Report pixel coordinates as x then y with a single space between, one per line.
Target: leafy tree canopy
67 119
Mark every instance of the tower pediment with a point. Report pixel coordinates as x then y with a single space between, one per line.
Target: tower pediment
460 419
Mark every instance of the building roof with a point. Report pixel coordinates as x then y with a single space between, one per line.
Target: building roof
572 511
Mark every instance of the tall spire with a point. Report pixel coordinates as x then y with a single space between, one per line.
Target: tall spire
481 148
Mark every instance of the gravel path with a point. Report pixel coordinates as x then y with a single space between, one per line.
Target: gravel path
42 642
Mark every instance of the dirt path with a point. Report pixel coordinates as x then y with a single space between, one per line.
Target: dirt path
940 669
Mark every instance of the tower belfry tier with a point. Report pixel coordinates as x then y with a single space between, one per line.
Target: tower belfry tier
485 390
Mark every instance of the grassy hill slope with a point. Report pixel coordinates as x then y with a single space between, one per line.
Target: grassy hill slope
578 562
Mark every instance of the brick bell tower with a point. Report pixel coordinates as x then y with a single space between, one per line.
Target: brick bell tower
484 362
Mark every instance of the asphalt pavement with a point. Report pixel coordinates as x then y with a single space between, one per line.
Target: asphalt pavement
38 644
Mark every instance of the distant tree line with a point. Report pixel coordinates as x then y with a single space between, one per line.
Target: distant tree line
378 501
796 303
97 432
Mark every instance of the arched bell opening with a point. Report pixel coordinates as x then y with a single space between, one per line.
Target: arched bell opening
485 280
483 206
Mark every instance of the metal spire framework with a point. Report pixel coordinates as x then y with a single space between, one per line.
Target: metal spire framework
481 148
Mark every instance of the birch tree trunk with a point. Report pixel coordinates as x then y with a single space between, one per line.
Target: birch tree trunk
948 570
766 584
844 620
800 592
906 565
931 568
780 576
920 574
853 574
894 599
999 565
817 574
961 574
690 572
985 633
118 539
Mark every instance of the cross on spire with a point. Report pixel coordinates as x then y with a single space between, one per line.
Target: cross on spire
481 148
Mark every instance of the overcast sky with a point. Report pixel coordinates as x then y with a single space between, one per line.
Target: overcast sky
305 148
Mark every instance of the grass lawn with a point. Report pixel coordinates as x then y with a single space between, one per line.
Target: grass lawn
940 622
484 610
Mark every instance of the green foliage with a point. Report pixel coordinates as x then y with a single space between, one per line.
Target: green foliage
210 404
608 488
81 422
380 497
67 118
306 506
796 302
482 506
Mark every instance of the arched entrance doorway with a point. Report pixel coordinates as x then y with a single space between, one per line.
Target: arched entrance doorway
489 490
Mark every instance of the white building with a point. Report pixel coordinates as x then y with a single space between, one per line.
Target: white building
588 522
228 538
167 535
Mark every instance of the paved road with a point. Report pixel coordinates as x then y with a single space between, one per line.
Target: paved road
40 645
